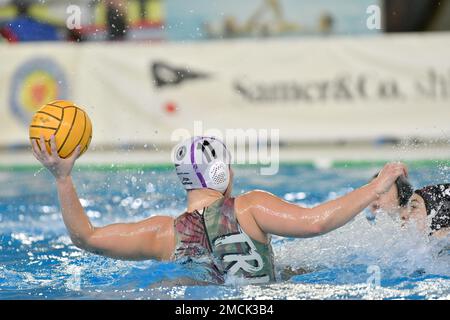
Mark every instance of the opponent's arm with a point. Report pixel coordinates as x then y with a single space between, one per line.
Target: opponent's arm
276 216
150 238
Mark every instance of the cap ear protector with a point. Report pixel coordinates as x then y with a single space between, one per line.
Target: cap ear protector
202 162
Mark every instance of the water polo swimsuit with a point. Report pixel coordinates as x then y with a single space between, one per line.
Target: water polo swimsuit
214 237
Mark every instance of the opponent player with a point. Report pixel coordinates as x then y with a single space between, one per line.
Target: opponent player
429 210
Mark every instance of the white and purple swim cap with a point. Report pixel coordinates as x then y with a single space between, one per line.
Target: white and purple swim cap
202 162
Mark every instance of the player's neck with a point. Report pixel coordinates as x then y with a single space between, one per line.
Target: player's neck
200 198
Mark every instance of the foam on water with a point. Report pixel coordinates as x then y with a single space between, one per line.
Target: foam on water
386 245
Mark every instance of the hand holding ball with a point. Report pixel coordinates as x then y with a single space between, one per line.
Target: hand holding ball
69 124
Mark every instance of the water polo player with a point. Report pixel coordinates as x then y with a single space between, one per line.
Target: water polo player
230 235
429 209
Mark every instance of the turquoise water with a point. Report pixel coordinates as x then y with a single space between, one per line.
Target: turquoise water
38 261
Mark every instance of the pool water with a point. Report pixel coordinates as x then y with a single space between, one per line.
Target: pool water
362 260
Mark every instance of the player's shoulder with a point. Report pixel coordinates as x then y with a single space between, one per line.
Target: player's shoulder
254 196
160 219
252 200
247 205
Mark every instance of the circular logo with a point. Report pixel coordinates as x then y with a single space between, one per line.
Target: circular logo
181 152
35 83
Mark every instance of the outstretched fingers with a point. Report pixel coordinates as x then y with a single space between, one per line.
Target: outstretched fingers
36 150
44 151
53 147
75 154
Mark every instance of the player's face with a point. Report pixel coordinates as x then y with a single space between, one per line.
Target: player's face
416 213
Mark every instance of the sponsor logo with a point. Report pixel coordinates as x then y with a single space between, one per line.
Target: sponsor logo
166 75
35 83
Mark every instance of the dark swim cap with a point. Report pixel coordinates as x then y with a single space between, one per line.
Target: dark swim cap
404 190
437 203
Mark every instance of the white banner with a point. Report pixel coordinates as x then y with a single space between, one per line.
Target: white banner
310 89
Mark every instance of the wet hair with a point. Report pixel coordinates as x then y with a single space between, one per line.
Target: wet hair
404 189
437 204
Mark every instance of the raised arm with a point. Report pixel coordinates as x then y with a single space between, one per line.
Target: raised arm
148 239
273 215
